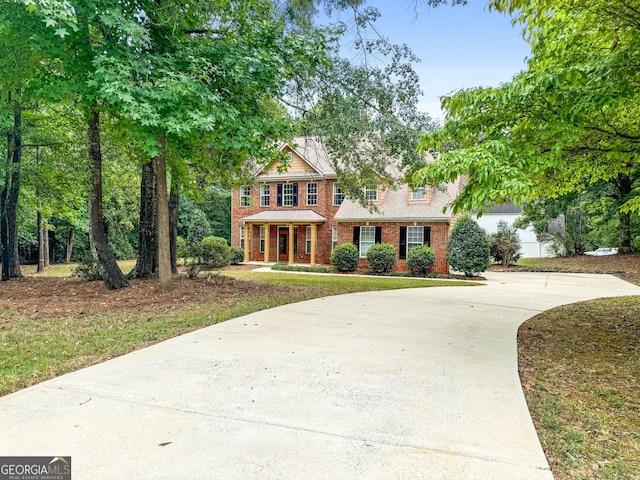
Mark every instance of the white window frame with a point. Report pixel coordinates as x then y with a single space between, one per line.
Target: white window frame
334 237
371 192
366 240
312 193
307 248
416 238
338 195
265 195
245 196
262 234
287 194
419 193
241 236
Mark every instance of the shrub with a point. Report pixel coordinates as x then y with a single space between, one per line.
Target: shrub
381 257
181 249
211 253
345 257
505 244
420 259
87 269
236 255
468 249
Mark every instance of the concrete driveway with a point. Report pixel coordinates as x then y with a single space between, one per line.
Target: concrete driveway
405 384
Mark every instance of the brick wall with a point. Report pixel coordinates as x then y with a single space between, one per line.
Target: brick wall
391 234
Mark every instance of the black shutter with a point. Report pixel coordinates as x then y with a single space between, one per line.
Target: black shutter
356 237
295 194
378 234
279 194
403 242
426 239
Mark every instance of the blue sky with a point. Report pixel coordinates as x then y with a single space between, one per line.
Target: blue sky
460 47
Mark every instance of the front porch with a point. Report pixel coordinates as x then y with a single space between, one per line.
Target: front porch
275 236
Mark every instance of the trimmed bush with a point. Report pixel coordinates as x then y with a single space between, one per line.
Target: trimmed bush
420 259
237 255
381 257
468 249
345 257
211 253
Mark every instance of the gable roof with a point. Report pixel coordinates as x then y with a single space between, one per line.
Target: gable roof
312 152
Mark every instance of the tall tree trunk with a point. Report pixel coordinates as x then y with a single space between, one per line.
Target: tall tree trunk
67 258
174 210
8 220
102 254
41 247
164 250
624 186
147 262
47 250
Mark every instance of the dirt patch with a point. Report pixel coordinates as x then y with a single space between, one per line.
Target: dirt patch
51 296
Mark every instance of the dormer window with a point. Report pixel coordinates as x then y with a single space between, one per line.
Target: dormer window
371 192
419 193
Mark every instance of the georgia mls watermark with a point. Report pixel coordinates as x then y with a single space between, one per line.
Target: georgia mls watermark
35 468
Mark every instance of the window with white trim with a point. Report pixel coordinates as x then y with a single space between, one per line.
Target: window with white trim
367 239
415 237
242 236
371 192
334 237
308 242
419 193
265 191
262 231
312 193
338 195
245 196
287 194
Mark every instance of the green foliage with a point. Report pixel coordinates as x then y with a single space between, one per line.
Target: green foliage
210 253
87 269
236 255
420 259
181 248
566 123
468 248
199 227
505 244
345 257
381 257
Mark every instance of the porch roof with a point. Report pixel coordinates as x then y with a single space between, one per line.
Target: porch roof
285 216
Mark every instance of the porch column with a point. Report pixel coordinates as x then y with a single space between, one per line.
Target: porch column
291 243
314 233
246 242
267 227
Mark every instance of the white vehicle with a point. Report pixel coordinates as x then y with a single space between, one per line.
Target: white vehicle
602 251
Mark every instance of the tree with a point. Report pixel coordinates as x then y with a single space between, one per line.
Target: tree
565 123
505 244
468 248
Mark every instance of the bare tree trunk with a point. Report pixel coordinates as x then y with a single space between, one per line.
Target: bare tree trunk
164 249
67 258
47 251
41 249
147 262
102 254
8 221
174 210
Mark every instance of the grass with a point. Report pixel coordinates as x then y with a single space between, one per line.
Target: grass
580 365
36 348
66 270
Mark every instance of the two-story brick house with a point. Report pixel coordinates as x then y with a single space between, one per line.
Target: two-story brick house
300 215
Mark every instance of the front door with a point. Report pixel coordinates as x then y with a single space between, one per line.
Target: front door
283 245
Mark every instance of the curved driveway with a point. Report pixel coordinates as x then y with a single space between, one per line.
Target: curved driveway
404 384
